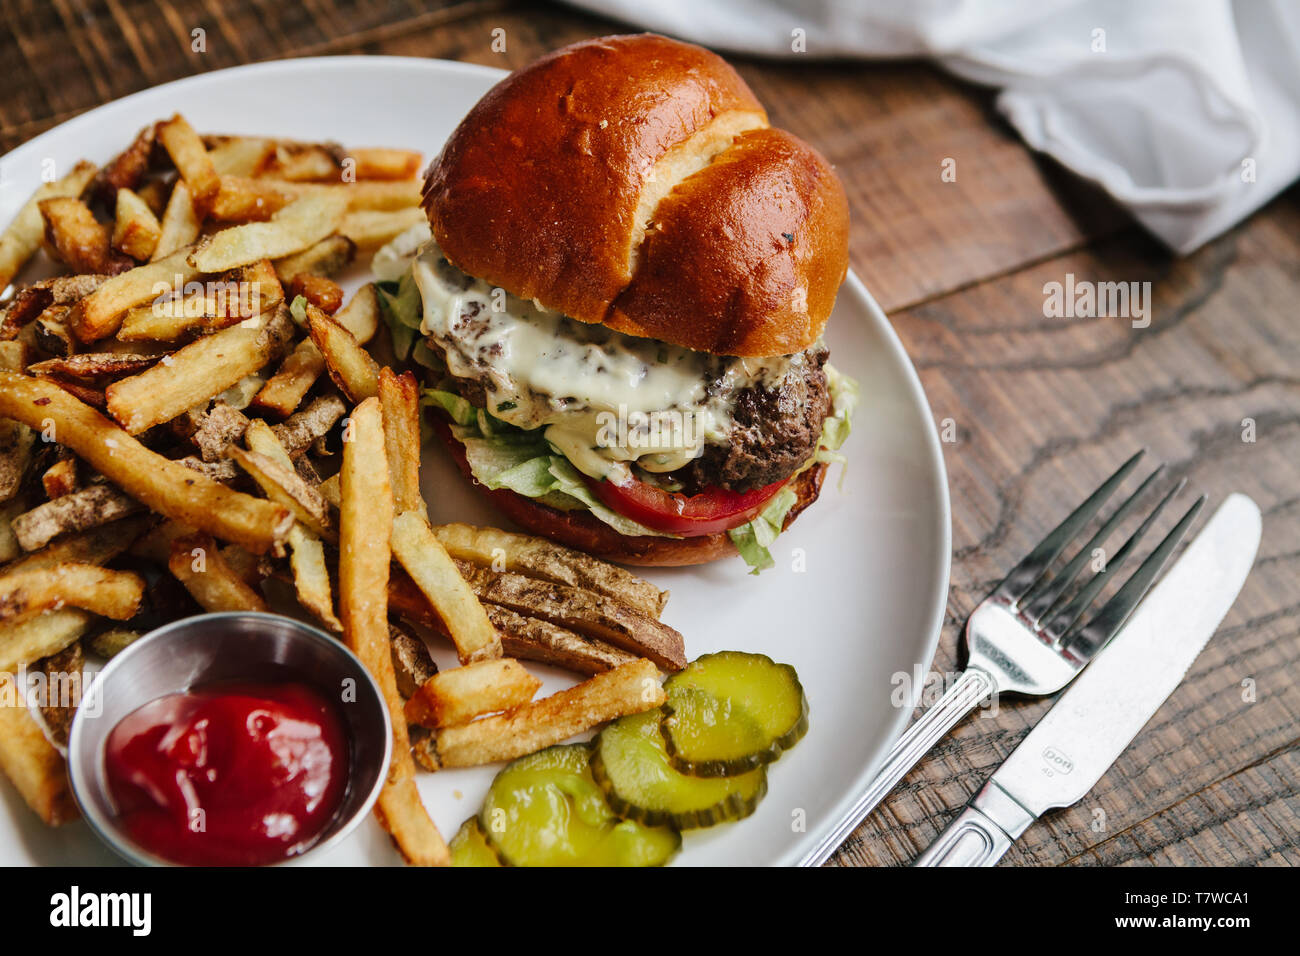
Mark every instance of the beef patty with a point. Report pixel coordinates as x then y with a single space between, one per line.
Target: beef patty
774 431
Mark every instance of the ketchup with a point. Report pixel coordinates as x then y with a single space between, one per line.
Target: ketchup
229 775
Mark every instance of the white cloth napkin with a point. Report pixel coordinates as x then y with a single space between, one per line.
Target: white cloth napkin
1186 111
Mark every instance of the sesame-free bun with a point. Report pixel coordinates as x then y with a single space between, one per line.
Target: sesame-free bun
634 181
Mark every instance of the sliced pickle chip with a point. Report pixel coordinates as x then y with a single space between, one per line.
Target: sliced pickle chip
731 712
469 847
546 810
630 763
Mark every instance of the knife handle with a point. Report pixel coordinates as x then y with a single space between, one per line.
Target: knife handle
981 833
970 840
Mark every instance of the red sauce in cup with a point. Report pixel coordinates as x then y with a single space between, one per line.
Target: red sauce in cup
229 775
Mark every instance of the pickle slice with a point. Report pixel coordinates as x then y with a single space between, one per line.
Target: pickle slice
630 763
731 712
546 810
469 847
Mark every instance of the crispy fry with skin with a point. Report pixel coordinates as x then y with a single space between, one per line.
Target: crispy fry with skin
332 254
323 293
299 432
239 155
162 485
539 558
349 365
31 763
400 397
361 315
365 525
191 158
98 545
90 507
411 660
285 390
434 572
136 229
60 478
22 238
129 166
459 695
64 673
381 163
586 612
284 486
628 689
115 594
199 565
77 238
180 224
199 371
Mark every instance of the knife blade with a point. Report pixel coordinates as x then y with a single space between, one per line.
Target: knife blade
1094 721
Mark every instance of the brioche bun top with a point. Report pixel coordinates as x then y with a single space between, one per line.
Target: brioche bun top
634 182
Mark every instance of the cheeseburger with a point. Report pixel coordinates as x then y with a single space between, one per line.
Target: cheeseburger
620 299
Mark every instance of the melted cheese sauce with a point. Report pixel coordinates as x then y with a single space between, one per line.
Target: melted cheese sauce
605 399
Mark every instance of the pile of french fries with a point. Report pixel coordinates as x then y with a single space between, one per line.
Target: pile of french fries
191 419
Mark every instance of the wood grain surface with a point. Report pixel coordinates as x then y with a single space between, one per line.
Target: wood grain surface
1039 409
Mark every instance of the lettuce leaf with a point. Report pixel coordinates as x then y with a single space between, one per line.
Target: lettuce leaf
400 305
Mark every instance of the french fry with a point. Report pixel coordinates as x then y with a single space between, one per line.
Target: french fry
369 228
373 196
189 154
540 558
298 226
64 673
97 545
299 432
115 594
239 155
311 579
199 565
198 372
113 641
99 314
89 366
285 390
369 163
9 548
532 639
627 689
361 315
218 427
215 305
365 525
129 166
323 293
284 486
304 162
162 485
90 507
60 478
28 641
20 241
16 441
180 224
77 238
586 612
332 254
459 695
349 365
247 200
36 769
434 572
136 229
400 398
411 661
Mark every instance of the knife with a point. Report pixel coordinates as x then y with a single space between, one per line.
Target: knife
1108 704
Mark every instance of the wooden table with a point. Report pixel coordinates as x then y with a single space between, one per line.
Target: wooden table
1040 408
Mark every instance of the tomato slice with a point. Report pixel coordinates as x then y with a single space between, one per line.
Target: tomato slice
710 511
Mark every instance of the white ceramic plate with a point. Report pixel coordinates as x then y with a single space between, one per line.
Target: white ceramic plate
874 550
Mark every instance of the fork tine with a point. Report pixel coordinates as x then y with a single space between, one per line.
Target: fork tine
1024 575
1046 593
1092 637
1061 622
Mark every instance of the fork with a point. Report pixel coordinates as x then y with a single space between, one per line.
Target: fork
1026 636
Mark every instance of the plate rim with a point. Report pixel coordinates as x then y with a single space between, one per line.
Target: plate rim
805 850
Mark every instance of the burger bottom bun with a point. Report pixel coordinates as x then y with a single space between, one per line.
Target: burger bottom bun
580 530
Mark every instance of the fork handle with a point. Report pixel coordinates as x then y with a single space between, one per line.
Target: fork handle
959 700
